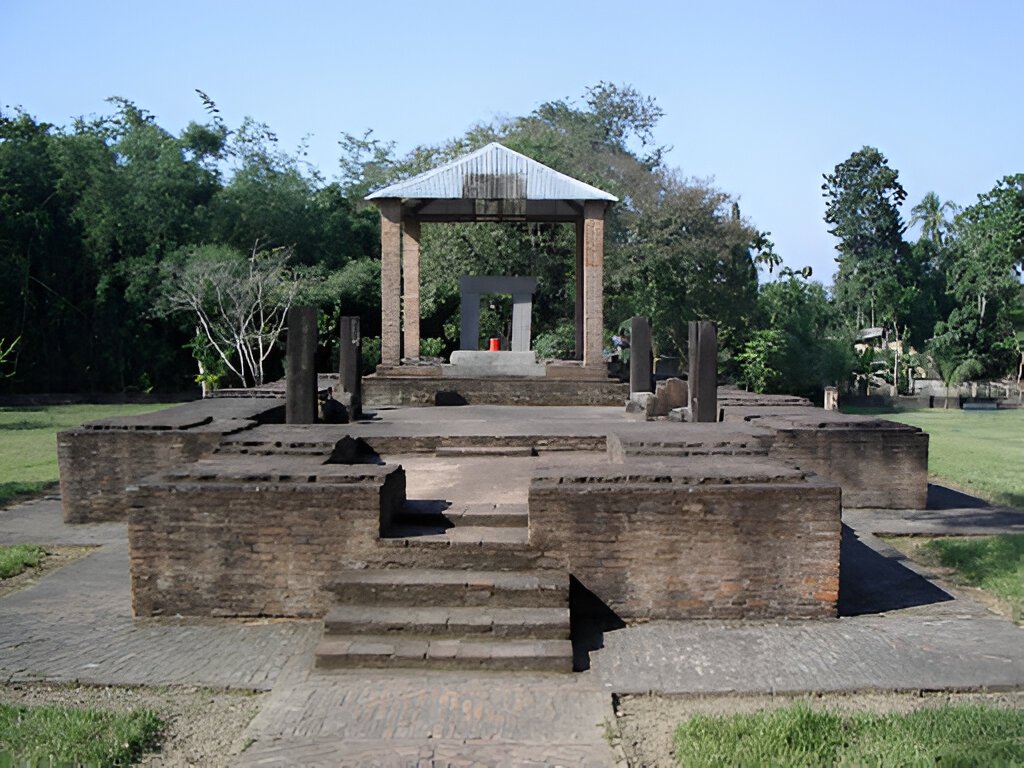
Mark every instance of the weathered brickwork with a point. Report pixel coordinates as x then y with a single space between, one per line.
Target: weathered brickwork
100 459
250 541
416 390
877 467
97 465
658 544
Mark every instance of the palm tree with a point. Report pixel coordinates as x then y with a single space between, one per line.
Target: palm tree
953 366
930 213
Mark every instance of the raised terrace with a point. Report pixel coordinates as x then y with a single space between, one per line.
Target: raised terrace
449 536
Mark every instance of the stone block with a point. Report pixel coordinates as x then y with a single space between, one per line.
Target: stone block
476 364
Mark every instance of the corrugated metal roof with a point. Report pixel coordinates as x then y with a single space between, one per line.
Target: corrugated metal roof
494 172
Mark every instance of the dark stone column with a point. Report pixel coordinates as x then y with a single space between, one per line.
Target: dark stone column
349 363
641 358
300 381
703 378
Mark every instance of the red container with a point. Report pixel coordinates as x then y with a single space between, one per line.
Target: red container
495 345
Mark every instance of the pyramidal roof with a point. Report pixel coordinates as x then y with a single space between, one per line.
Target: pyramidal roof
494 172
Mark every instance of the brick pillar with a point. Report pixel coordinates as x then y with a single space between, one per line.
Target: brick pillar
703 371
300 380
641 360
579 289
390 281
593 282
411 287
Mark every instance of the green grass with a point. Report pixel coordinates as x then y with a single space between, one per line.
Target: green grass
28 442
65 736
995 564
981 452
964 735
16 558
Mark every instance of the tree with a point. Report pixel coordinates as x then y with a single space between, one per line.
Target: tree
984 274
930 213
676 249
863 199
239 304
952 364
6 353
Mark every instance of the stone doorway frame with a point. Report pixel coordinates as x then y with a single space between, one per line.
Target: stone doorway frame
472 287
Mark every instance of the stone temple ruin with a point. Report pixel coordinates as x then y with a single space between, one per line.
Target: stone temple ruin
236 508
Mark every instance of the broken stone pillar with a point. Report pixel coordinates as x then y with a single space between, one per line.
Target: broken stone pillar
831 399
703 380
350 359
522 311
641 360
300 377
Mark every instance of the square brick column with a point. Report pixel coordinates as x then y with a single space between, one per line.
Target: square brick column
390 281
579 289
593 282
411 287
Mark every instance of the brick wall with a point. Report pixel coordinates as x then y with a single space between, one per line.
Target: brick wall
97 465
247 543
654 546
414 390
877 467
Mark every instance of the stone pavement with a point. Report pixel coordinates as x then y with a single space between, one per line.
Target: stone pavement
899 631
76 623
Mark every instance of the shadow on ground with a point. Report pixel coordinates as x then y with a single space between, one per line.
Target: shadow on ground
589 618
870 582
941 497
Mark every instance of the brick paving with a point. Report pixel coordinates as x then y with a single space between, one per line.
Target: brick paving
899 631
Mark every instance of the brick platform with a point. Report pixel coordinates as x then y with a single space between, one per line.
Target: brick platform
100 459
707 538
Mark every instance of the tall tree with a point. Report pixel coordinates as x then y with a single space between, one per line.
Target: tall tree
863 197
984 275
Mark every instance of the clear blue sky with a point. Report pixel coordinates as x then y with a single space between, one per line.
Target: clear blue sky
762 96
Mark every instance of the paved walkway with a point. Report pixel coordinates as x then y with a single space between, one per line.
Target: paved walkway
898 631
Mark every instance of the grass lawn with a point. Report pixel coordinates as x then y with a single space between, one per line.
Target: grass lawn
964 735
28 442
16 558
67 736
995 564
981 452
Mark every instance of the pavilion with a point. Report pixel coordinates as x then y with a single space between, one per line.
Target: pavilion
493 184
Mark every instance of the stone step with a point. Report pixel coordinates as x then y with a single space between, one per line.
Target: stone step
428 587
424 515
362 651
457 536
522 623
485 450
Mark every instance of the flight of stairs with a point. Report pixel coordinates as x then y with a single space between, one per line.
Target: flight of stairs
465 594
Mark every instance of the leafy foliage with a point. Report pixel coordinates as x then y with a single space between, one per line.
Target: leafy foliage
15 558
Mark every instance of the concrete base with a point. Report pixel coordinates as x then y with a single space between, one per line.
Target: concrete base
521 390
474 364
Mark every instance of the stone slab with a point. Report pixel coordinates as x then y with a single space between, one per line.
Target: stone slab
476 364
